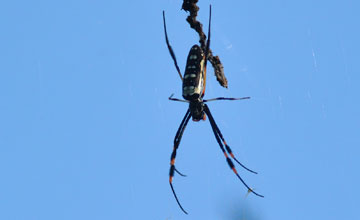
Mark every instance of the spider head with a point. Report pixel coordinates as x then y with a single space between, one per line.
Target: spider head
197 110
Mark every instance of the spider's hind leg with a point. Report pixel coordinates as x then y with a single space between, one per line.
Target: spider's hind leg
219 136
177 140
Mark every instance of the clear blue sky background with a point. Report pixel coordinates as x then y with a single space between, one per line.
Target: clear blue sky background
86 129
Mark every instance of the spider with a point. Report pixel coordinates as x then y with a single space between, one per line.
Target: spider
193 91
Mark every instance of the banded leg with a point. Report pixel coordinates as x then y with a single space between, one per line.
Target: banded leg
227 147
219 136
170 49
177 140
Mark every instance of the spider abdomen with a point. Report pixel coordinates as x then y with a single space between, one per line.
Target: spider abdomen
194 77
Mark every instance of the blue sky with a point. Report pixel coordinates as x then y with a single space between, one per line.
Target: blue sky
86 129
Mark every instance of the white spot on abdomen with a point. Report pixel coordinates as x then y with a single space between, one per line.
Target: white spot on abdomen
188 90
193 57
191 75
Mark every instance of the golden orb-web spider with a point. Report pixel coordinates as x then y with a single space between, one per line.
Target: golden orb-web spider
193 91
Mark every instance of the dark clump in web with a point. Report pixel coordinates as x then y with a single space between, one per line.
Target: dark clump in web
191 7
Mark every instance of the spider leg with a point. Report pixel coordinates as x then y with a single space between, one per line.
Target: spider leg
207 52
219 136
223 98
179 173
177 140
227 147
170 49
179 100
208 40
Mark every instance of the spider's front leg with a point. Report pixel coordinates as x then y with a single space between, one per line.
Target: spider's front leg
171 51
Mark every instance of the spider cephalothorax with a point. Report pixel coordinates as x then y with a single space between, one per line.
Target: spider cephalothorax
197 110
